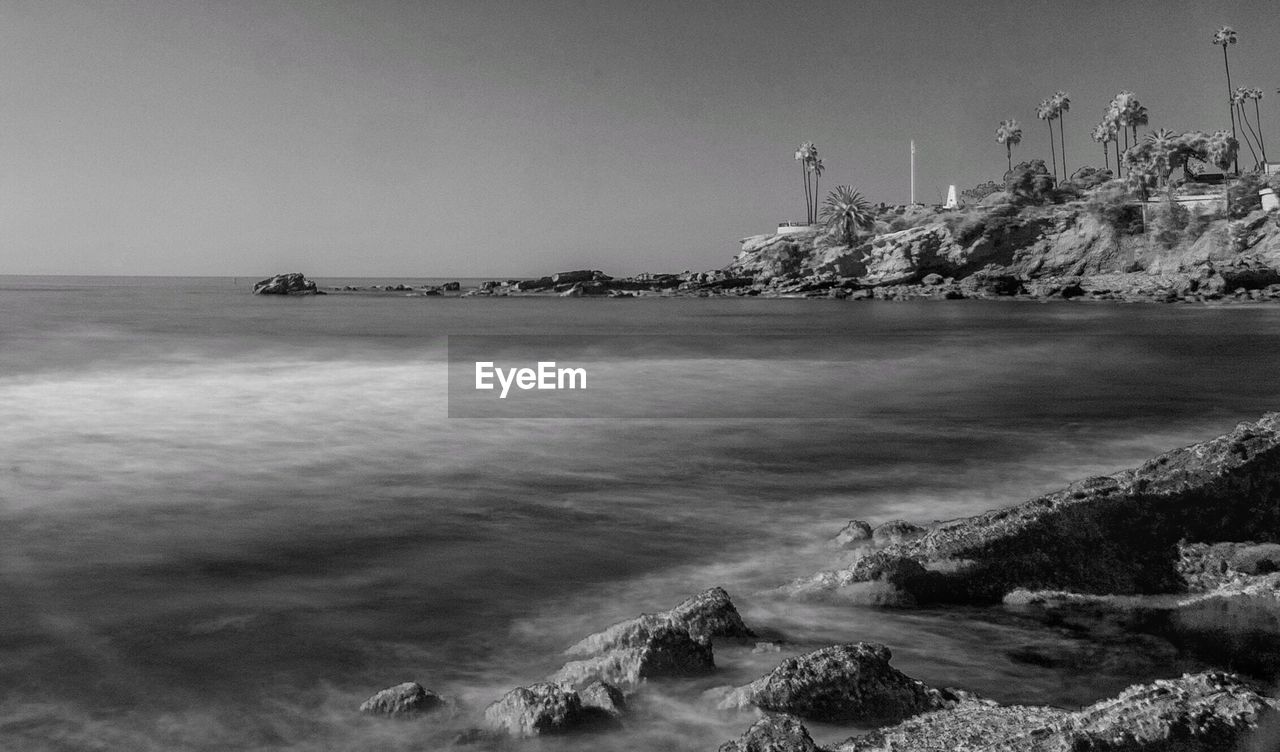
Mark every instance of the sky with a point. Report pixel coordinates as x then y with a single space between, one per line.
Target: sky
476 138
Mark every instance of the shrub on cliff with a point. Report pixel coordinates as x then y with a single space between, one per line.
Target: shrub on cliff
1113 204
980 191
1088 178
1029 182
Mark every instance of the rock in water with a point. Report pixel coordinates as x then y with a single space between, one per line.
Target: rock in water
856 533
896 531
604 696
651 647
711 614
407 699
286 284
851 683
543 710
775 733
1207 712
1115 534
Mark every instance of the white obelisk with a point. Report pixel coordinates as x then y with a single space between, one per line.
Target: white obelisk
913 172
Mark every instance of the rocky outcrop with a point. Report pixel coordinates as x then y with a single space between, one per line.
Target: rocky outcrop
1115 534
774 733
407 699
851 683
544 710
1207 712
650 647
856 533
605 697
286 284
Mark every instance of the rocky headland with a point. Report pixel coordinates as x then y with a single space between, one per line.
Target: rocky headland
1094 244
1179 554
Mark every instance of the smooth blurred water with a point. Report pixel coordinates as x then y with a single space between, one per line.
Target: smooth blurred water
225 520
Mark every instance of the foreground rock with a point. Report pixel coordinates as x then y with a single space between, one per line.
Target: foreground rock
851 683
408 699
775 733
543 710
1207 712
1115 534
671 643
650 647
286 284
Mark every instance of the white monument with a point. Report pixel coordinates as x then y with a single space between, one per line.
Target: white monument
1270 202
951 199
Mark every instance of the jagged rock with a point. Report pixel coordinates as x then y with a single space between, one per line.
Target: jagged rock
1207 712
710 615
649 647
410 698
543 710
990 281
1112 534
851 683
582 275
896 531
604 696
451 286
286 284
774 733
856 533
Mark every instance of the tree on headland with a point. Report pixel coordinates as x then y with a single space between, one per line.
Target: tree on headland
845 212
1061 104
1045 111
1009 134
811 169
1104 134
1252 131
1227 36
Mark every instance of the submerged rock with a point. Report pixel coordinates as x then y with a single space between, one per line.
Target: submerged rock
286 284
1114 534
1207 712
851 683
407 699
543 710
774 733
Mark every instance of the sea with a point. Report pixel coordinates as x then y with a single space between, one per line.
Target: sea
227 519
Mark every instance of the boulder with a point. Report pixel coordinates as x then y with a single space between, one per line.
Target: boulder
990 282
710 615
773 733
649 647
1113 534
603 696
1206 712
851 683
286 284
543 710
856 533
407 699
451 286
896 531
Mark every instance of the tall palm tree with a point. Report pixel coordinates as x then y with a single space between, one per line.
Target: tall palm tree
1238 99
846 211
806 155
1102 134
1009 134
1061 103
816 168
1227 36
1045 112
1256 96
1113 119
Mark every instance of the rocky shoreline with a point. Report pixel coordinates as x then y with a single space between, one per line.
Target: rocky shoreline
1092 248
1186 545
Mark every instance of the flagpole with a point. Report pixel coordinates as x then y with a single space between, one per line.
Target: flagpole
913 172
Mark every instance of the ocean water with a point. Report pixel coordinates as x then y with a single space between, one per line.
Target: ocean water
226 520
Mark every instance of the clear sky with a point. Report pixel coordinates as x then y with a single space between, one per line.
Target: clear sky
481 138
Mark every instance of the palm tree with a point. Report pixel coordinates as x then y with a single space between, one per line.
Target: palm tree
1227 36
1163 147
1256 96
805 155
816 168
846 211
1009 134
1103 134
1061 103
1139 116
1238 98
1114 121
1045 112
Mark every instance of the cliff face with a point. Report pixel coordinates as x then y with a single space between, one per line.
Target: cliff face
1025 243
